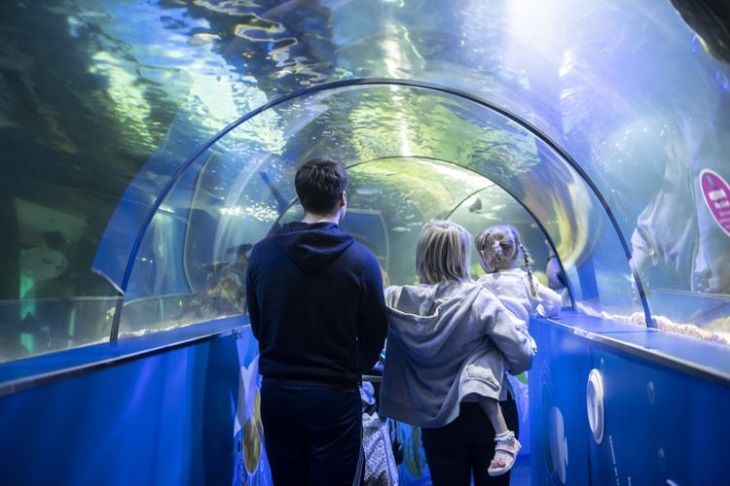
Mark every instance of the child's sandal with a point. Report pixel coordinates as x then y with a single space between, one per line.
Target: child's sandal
507 450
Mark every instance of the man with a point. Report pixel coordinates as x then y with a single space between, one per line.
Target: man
316 305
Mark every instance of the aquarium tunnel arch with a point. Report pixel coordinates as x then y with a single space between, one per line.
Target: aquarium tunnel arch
221 177
148 145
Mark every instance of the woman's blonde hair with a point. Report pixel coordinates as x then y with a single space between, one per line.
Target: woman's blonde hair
498 247
443 252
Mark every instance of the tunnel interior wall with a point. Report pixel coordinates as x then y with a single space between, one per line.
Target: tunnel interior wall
656 420
184 415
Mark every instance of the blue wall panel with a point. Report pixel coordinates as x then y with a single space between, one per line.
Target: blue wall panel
663 417
171 418
661 425
559 426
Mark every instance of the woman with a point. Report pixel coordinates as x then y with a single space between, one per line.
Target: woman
449 343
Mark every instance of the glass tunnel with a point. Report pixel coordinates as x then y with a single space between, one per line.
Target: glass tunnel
148 144
402 175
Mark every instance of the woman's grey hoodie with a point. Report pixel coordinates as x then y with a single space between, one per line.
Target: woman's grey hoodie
447 342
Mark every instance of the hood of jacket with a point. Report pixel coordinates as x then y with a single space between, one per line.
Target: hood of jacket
312 246
436 333
418 315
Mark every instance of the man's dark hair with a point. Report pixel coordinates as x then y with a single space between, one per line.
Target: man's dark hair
319 183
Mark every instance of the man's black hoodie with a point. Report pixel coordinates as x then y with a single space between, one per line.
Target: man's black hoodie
316 304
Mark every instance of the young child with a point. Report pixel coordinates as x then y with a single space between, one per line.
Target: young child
499 248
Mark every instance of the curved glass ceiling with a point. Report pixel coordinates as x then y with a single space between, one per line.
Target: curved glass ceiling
124 122
415 153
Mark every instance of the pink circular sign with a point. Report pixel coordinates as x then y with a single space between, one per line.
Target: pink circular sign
717 197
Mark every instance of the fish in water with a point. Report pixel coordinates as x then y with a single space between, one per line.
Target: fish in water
475 206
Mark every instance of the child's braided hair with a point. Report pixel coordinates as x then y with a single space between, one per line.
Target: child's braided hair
499 246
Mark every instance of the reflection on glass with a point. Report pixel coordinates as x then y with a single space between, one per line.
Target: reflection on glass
52 324
100 111
233 194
